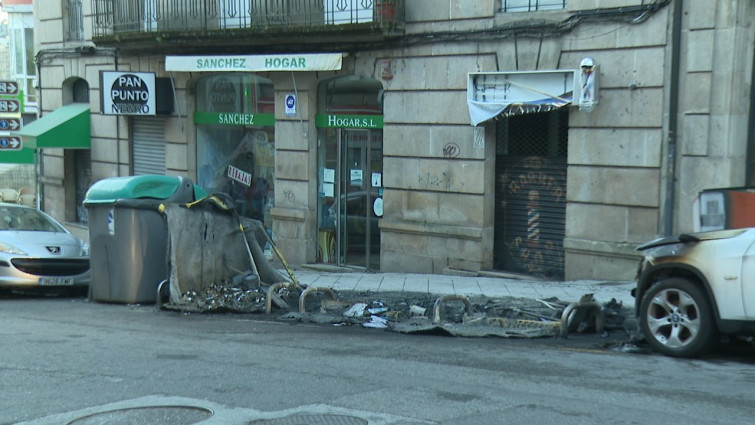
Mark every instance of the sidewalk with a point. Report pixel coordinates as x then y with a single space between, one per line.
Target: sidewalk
489 287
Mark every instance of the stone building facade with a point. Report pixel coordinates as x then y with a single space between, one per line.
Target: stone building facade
373 162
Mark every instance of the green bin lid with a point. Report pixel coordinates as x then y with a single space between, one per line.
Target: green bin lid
132 187
199 193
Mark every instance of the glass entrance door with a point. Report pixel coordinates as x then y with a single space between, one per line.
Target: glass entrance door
359 198
351 197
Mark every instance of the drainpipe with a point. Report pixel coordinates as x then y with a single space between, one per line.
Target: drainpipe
748 177
673 111
40 166
118 135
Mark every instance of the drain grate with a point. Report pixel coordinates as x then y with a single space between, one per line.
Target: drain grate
174 415
312 420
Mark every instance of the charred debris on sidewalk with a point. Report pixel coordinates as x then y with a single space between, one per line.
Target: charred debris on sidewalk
232 273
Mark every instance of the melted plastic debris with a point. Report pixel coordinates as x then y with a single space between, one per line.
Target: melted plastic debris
223 297
418 313
407 312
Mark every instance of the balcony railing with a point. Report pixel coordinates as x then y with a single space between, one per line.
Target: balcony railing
119 17
532 5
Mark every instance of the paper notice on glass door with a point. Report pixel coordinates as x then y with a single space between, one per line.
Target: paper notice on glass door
329 175
328 190
356 177
377 179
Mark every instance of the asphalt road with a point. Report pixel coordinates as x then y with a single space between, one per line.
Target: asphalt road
70 361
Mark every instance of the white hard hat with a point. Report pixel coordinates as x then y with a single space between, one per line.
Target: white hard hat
588 62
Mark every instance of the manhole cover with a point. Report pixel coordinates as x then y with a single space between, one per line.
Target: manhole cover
174 415
312 420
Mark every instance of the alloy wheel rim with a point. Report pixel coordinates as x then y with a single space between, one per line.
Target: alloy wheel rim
673 318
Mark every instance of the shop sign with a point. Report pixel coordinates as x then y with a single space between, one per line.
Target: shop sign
239 175
349 121
234 119
237 63
128 93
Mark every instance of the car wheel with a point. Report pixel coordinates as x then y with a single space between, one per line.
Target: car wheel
676 319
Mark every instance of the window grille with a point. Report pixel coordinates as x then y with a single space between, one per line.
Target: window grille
74 21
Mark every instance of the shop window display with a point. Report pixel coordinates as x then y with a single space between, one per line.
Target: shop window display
236 141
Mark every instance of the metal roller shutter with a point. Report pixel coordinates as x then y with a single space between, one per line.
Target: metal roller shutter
531 194
148 146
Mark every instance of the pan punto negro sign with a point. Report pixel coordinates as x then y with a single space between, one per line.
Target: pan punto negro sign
128 93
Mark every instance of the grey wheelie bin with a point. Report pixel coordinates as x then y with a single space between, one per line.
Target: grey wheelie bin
128 236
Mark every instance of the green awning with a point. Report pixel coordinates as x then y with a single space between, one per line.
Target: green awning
66 127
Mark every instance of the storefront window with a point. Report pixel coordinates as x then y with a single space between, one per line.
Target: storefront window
235 124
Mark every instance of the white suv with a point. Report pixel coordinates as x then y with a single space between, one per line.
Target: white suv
693 288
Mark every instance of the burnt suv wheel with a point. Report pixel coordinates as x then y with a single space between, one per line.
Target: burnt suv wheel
676 319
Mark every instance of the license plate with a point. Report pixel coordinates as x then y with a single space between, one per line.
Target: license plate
56 281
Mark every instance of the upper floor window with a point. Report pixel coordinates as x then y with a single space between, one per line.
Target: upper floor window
74 20
532 5
23 69
23 51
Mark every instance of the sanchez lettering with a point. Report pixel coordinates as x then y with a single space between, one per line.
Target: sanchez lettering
215 63
236 119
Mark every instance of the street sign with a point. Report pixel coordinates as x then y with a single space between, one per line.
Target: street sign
10 105
10 124
8 87
11 143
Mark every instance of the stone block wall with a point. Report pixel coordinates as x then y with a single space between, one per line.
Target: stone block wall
439 170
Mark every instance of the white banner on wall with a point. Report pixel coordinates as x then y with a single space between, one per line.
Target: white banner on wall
490 94
233 63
